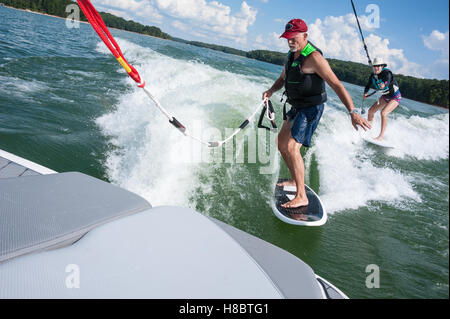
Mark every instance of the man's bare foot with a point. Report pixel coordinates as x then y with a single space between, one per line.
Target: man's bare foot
379 138
296 202
289 182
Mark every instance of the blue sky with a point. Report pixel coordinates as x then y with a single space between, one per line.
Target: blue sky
412 35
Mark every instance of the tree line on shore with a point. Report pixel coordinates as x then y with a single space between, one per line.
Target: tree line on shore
429 91
58 8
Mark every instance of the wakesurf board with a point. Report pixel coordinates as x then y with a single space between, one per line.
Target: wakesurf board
312 215
378 143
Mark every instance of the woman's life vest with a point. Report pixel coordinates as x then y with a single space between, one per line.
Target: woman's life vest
386 77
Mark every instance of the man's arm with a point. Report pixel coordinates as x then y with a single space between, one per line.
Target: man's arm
279 83
323 69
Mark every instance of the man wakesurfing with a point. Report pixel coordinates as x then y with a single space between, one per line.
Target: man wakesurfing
303 77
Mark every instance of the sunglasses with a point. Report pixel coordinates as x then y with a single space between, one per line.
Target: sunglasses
289 26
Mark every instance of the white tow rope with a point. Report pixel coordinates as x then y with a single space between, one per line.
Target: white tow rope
183 129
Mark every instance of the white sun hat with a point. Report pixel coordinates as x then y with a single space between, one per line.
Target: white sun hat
379 61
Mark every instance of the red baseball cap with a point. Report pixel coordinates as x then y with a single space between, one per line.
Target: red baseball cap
294 27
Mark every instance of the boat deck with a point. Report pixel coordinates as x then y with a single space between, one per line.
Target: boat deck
14 166
10 169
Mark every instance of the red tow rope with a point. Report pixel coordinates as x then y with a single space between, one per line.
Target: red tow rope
99 26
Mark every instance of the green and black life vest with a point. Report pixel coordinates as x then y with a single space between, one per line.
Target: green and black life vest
302 89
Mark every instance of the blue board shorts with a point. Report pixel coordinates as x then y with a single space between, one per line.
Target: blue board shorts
304 122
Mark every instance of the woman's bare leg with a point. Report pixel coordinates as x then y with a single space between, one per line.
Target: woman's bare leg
392 105
375 108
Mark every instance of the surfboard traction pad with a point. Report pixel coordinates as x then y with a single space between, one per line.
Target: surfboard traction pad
311 213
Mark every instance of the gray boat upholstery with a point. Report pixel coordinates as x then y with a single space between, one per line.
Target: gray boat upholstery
293 277
10 169
41 213
48 211
330 291
162 252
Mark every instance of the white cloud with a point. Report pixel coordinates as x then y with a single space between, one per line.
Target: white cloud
200 18
271 42
119 13
259 39
187 28
212 18
438 41
179 25
124 9
338 37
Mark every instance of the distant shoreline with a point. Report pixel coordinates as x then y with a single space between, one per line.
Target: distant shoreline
85 22
54 16
36 12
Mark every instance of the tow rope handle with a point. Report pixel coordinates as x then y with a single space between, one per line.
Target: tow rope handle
99 26
369 95
269 110
178 125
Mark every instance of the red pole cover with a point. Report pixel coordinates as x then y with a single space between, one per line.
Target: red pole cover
99 26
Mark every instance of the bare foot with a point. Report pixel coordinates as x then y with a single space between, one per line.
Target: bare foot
289 182
379 138
296 202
